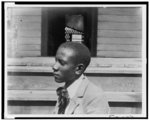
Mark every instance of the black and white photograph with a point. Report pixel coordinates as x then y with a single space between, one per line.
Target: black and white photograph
73 60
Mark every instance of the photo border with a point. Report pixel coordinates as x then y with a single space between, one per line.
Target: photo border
62 3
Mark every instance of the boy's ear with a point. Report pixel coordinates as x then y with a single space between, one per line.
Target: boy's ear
80 69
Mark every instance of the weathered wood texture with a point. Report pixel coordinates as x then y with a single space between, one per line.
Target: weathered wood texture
116 26
119 32
30 109
97 65
49 109
42 88
24 32
120 79
120 84
40 95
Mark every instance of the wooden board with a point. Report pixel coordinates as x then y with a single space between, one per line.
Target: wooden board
47 110
119 54
120 26
28 53
30 41
97 65
35 47
29 26
128 11
119 47
125 110
27 18
29 33
123 34
117 84
32 82
107 83
95 61
51 95
31 61
26 11
119 19
30 110
123 41
107 69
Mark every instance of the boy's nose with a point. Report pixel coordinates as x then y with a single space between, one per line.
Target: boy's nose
55 67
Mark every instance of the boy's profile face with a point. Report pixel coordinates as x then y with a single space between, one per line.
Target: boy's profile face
64 67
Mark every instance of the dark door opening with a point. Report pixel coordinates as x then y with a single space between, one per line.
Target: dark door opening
53 27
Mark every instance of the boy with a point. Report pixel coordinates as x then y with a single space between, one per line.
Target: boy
79 95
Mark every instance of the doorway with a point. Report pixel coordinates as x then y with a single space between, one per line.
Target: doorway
53 27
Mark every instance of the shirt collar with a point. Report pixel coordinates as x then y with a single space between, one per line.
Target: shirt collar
72 89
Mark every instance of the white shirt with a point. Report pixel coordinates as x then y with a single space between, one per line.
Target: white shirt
72 89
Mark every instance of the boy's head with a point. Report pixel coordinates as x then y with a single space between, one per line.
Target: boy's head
71 61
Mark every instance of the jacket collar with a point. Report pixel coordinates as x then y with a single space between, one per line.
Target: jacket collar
73 88
77 99
82 88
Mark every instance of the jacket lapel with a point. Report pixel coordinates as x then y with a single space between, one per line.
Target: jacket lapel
77 99
72 106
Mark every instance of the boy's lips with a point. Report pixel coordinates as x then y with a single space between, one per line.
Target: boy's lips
56 75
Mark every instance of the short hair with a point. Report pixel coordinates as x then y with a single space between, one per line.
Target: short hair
82 53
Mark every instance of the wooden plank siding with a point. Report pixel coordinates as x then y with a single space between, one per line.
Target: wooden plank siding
119 32
97 65
48 95
31 85
25 25
129 11
26 90
43 82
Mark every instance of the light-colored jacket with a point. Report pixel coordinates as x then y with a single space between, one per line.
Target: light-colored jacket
89 99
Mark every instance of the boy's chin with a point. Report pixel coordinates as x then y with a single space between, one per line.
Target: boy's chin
58 80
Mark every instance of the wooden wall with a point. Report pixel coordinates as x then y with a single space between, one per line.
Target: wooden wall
119 32
31 86
24 31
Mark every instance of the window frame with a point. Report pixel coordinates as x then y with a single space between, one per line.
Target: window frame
90 34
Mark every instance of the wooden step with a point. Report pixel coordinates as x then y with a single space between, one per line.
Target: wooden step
97 65
45 95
